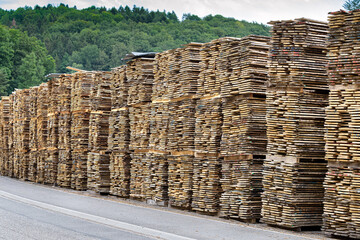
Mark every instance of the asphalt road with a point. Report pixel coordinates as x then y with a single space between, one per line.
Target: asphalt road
33 211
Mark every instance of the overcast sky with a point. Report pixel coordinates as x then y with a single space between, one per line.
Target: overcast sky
260 11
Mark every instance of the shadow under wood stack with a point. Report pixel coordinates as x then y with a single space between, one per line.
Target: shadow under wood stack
297 95
341 204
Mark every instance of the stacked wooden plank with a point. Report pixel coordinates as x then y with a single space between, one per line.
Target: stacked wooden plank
119 135
5 105
297 95
82 84
64 127
98 171
341 204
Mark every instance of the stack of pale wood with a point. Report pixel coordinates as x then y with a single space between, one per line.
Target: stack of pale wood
21 131
5 105
48 158
33 134
64 127
140 77
297 95
119 134
341 204
98 171
82 84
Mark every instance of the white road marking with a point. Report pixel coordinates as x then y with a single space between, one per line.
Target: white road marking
149 232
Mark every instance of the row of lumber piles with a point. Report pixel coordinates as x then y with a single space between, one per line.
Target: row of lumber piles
297 95
119 134
230 132
341 204
98 164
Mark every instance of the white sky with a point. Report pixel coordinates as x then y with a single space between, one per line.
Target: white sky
260 11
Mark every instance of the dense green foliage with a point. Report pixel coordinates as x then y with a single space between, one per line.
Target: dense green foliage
351 5
98 38
24 60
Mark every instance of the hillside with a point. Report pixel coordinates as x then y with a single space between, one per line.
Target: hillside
98 38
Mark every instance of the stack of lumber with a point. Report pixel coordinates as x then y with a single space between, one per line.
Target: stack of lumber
11 143
33 134
82 84
172 130
119 135
98 171
140 78
21 131
341 204
48 169
297 95
5 105
64 126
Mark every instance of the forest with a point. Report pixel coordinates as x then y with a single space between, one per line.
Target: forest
40 40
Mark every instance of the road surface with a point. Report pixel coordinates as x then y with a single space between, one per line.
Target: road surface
33 211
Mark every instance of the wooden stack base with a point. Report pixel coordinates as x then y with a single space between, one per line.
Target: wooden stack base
79 170
156 178
40 164
206 184
138 175
293 191
180 180
51 166
33 165
64 169
98 172
241 183
120 174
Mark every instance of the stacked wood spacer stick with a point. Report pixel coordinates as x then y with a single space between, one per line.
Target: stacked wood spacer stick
119 134
342 182
297 95
98 169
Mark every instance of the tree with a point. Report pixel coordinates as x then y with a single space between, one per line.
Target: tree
4 82
351 5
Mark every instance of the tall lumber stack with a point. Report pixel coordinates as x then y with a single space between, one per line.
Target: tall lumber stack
119 135
341 204
21 131
173 125
42 133
98 170
297 95
64 128
140 76
82 84
230 127
243 143
5 106
51 153
11 144
33 134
